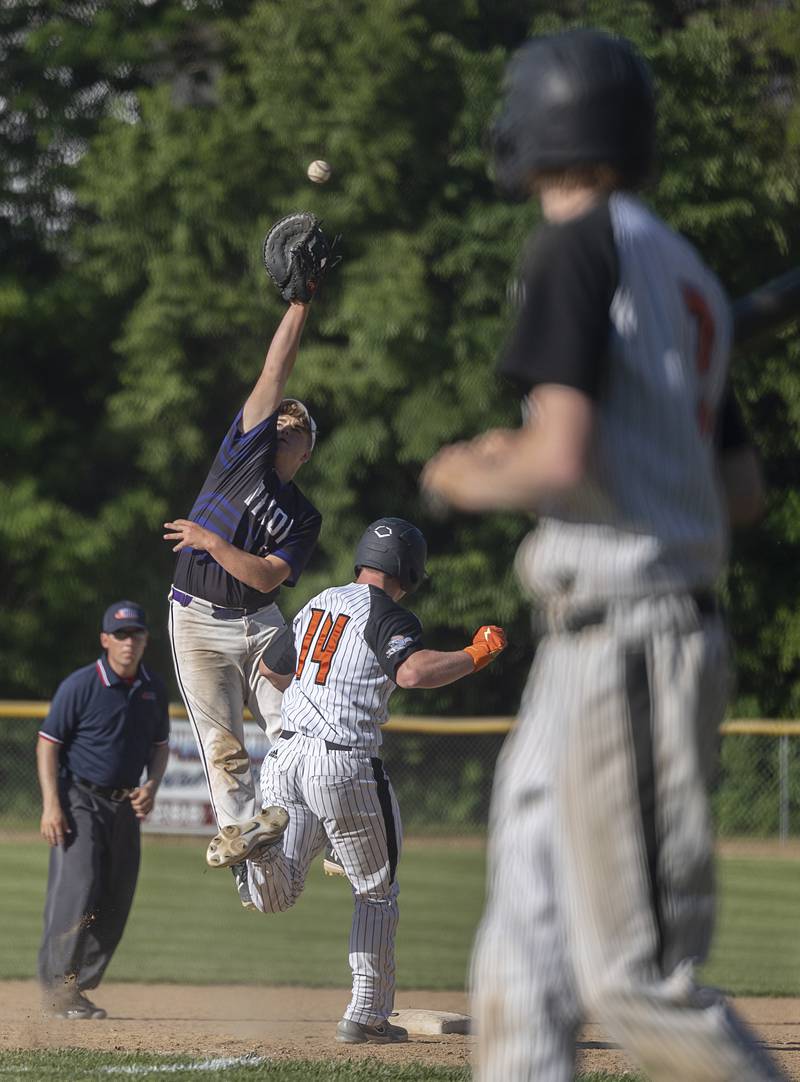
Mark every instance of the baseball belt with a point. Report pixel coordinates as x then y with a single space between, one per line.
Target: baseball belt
218 612
570 623
287 734
108 791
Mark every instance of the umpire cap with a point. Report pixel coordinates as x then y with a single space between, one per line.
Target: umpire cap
581 97
395 547
123 614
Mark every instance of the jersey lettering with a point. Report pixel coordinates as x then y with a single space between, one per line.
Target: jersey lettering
698 307
327 640
266 512
313 624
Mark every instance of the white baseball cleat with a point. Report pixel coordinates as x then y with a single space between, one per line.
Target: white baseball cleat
348 1032
238 841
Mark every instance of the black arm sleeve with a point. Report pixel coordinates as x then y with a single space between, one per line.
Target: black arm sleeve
568 282
280 654
392 632
731 432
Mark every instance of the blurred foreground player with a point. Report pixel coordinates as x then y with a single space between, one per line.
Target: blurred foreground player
601 881
349 648
107 723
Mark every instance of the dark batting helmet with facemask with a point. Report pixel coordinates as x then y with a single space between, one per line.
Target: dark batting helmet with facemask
577 98
395 547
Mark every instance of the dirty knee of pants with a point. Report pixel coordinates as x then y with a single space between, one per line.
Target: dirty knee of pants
225 753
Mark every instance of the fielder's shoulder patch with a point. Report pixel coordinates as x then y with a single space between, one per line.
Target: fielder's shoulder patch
397 643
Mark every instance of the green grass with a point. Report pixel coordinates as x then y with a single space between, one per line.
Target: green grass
68 1065
187 926
757 950
72 1064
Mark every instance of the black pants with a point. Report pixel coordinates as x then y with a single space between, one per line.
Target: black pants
90 888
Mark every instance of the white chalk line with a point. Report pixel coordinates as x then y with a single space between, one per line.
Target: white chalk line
221 1063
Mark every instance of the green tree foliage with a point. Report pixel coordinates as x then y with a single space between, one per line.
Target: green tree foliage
76 525
161 312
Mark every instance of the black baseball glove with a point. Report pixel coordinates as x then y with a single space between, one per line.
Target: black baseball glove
297 256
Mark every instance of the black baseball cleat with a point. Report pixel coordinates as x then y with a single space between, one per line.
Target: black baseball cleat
72 1005
236 842
242 886
331 864
348 1032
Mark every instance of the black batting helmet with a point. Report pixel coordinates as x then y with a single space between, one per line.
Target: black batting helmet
581 97
396 547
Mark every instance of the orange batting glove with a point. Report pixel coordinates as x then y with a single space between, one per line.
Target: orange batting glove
487 642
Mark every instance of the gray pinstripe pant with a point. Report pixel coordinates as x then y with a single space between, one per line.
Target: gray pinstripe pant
346 797
601 895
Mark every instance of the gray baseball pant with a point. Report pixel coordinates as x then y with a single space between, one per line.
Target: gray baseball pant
90 888
636 701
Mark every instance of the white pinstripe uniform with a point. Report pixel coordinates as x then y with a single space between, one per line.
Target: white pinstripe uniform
601 878
326 772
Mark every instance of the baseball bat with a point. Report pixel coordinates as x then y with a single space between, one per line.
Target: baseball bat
767 308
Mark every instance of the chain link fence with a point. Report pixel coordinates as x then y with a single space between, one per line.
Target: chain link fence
442 771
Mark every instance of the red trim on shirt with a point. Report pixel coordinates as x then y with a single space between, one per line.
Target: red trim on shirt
50 739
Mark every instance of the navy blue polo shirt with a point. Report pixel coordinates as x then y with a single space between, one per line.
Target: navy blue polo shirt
106 726
244 501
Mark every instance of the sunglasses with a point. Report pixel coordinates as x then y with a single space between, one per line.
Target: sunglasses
129 633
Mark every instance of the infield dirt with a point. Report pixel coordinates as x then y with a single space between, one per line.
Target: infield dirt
298 1023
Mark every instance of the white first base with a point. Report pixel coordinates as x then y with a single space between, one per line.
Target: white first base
431 1022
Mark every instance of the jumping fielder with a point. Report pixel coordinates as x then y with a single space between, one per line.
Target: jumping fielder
601 893
349 648
251 530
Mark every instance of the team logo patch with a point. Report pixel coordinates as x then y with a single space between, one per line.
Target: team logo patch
148 695
383 531
397 643
126 614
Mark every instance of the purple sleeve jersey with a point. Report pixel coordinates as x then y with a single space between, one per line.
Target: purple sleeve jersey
244 501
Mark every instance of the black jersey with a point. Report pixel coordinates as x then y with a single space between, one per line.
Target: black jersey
244 501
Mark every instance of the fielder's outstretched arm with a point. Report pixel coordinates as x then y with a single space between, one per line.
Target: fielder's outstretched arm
266 396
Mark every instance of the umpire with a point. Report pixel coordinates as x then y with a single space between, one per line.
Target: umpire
107 722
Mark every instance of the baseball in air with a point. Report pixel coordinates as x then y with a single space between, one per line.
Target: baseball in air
319 171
